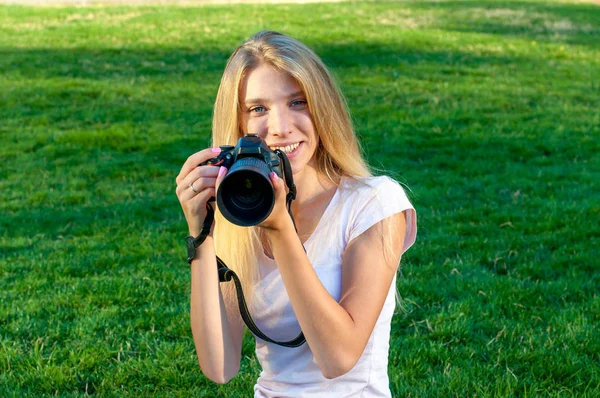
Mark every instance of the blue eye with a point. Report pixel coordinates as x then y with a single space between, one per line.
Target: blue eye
257 109
299 103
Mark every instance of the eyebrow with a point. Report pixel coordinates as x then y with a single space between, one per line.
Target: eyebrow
251 101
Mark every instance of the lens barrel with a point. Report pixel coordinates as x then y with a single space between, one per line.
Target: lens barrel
246 196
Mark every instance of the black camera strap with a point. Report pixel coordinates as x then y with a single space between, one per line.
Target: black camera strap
289 180
226 274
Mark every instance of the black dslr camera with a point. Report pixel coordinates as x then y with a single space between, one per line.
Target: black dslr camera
246 196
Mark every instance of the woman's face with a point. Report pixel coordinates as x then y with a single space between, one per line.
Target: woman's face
275 107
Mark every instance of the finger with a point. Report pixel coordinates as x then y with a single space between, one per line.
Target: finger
201 198
200 172
194 160
199 186
220 176
278 184
194 175
195 210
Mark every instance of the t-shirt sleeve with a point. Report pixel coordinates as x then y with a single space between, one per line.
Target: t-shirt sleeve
382 199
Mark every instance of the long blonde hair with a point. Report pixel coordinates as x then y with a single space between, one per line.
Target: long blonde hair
338 153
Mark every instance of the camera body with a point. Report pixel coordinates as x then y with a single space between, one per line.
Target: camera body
246 195
249 146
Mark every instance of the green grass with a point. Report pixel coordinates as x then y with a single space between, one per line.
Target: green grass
487 110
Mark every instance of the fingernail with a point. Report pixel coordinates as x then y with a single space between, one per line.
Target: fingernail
216 150
222 171
274 175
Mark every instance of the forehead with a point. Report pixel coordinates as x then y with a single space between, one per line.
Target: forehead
268 82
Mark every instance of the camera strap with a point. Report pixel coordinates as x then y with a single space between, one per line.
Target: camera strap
289 180
226 274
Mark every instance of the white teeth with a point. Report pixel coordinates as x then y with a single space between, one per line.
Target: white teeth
286 149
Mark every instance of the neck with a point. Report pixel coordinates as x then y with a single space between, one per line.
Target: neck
309 186
313 193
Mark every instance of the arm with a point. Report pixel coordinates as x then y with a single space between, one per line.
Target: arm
337 333
217 332
217 328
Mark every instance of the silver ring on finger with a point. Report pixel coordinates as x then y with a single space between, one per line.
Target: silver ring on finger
192 187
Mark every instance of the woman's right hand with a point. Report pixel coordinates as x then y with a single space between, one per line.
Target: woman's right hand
195 186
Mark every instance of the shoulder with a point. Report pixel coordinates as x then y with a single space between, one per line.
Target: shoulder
373 199
376 188
366 183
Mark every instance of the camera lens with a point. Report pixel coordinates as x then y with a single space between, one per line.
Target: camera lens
249 194
246 196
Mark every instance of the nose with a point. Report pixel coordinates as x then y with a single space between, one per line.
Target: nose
279 121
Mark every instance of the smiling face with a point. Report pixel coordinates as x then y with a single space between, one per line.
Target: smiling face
274 106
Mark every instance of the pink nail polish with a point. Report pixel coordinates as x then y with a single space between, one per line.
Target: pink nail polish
222 171
216 150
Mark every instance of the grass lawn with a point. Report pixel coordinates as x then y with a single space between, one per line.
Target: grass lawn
488 110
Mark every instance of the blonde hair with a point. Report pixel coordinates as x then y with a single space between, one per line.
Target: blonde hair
338 152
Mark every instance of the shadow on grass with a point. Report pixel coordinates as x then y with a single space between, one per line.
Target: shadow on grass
90 87
110 64
561 23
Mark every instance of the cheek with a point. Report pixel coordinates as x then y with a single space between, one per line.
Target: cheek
252 126
314 137
308 126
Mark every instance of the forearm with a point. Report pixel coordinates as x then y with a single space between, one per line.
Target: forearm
218 355
327 326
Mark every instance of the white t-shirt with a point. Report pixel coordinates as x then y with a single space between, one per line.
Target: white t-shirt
293 372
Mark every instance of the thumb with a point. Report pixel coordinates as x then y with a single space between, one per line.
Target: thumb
278 185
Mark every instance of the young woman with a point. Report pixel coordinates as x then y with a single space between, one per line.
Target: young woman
333 279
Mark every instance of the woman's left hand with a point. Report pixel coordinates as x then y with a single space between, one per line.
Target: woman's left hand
279 217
